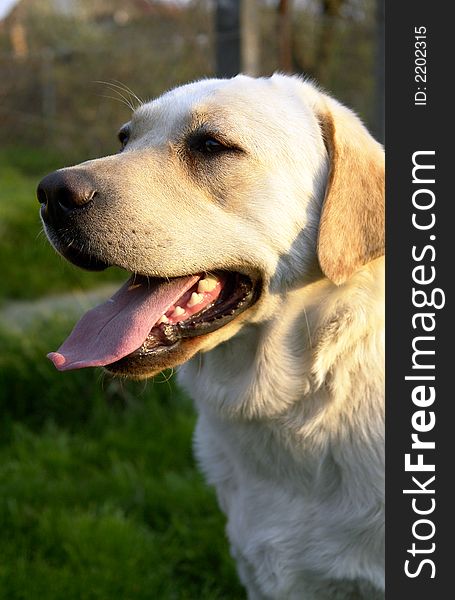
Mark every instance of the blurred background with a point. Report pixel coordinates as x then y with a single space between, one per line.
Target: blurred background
99 494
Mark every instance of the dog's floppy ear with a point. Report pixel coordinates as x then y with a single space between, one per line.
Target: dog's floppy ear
351 228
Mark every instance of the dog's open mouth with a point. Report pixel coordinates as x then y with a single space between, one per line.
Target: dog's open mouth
149 316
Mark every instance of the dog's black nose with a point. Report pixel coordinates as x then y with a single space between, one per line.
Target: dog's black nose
65 191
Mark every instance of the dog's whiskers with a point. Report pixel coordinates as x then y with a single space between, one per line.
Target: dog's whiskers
308 327
121 100
167 378
128 90
121 91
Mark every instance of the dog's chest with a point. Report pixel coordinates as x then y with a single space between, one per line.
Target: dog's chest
285 519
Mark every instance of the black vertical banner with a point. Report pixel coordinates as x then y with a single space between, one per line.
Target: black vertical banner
420 425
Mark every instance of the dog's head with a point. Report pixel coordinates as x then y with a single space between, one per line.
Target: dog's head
224 192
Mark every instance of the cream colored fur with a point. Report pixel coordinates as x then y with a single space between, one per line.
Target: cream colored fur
290 433
290 428
289 394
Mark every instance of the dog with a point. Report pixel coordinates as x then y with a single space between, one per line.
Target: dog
250 214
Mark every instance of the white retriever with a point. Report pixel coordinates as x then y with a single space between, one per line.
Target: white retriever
250 212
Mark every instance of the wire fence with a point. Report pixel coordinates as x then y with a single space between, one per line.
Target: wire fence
50 74
75 102
52 63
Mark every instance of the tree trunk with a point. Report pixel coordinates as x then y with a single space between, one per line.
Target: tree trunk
284 31
250 37
227 27
331 10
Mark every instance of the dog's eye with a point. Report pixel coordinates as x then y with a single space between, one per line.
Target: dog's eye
211 145
208 145
123 136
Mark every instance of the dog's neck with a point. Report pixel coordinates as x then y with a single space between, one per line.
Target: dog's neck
318 344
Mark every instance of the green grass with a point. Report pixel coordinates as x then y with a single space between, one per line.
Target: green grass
30 267
99 494
100 497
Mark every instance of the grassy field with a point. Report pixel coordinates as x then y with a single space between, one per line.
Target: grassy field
99 494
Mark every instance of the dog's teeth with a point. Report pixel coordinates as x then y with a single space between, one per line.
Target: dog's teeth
208 284
162 319
178 311
195 299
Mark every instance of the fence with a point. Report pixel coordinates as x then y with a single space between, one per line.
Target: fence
49 96
58 99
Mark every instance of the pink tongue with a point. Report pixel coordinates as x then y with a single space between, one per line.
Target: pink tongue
116 328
